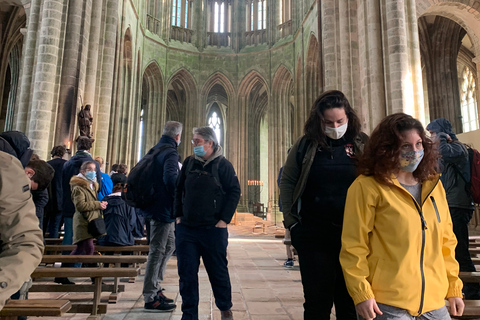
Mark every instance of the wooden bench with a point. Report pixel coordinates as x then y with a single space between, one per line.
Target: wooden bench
54 241
115 289
34 308
96 273
58 248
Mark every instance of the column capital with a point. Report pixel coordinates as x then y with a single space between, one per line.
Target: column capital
476 60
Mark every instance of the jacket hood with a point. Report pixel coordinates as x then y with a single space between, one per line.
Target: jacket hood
114 201
214 155
77 181
20 144
442 125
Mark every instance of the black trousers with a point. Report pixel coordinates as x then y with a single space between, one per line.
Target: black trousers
460 220
322 277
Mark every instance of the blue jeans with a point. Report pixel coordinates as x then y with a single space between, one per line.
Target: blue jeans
162 245
394 313
210 243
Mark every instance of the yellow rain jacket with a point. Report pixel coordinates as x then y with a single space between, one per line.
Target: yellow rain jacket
398 251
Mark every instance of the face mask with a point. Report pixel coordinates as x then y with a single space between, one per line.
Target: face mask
336 133
199 151
90 175
410 160
179 142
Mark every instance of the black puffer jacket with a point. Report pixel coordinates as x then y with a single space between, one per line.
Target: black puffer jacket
120 220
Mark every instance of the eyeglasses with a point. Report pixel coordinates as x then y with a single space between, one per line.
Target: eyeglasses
196 142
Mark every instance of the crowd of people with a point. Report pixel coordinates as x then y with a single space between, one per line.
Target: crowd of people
380 223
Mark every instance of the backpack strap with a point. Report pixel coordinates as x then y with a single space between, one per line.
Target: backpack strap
301 151
216 164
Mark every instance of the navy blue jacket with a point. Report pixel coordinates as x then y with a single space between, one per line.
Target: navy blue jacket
164 185
120 221
55 193
72 168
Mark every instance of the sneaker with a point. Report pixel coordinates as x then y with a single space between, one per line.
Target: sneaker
162 297
160 306
226 315
288 264
63 281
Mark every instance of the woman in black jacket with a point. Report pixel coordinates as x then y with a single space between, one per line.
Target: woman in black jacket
313 188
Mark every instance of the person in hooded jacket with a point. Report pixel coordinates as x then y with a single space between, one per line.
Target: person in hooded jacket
87 207
398 246
317 173
455 169
70 169
206 197
120 218
53 209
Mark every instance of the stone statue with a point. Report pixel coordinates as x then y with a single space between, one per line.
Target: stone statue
85 120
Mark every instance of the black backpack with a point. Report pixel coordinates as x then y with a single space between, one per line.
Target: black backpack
140 188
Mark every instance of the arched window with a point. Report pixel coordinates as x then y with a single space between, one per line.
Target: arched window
468 101
285 26
182 13
215 122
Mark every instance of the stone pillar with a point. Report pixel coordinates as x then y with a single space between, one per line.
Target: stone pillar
476 60
73 69
94 47
38 129
372 71
27 67
441 68
349 62
102 132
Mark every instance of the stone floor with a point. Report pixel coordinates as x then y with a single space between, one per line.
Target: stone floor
262 288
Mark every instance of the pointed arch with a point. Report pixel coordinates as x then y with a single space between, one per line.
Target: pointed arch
253 100
182 96
152 104
313 72
280 128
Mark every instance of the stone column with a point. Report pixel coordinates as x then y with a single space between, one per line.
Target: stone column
371 62
476 60
27 67
94 47
441 68
102 133
38 129
349 63
73 68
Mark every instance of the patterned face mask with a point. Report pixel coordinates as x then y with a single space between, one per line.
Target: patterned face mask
410 160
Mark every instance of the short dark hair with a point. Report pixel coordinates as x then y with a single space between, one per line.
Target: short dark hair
119 180
115 167
84 143
382 152
122 168
58 151
43 173
315 125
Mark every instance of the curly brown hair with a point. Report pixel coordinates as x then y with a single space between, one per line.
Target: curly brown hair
381 157
315 125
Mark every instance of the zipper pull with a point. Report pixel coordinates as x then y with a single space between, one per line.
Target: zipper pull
424 223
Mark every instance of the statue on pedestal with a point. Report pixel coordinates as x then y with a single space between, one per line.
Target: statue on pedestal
85 121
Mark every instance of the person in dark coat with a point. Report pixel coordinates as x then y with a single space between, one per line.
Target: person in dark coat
206 197
161 218
120 218
40 174
454 164
72 168
53 209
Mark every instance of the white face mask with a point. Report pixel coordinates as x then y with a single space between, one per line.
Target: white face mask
336 133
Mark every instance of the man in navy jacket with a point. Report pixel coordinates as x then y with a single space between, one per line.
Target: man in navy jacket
161 216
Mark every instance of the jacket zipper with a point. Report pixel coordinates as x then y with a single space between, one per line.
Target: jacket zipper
436 209
422 253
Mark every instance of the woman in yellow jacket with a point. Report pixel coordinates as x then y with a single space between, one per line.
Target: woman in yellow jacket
398 246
